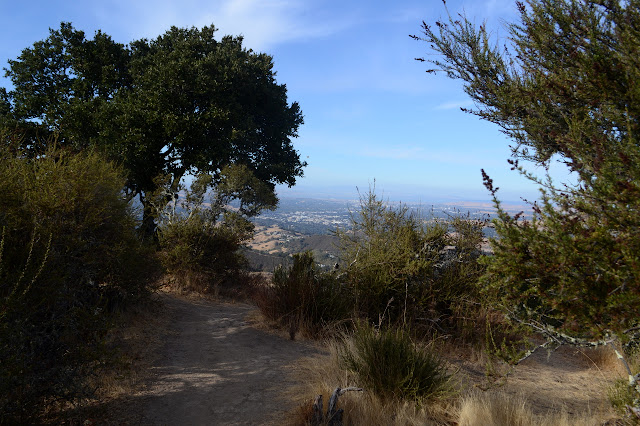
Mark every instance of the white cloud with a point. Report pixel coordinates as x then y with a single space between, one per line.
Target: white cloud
262 23
455 105
265 24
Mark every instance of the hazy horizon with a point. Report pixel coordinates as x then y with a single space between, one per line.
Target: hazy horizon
401 193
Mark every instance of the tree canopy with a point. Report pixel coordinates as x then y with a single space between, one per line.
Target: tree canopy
181 103
564 86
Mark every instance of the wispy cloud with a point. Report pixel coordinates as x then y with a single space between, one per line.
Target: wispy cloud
263 24
454 105
267 23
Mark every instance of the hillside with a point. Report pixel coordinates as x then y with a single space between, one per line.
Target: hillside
272 246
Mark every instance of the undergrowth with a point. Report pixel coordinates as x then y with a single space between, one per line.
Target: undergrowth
389 363
302 298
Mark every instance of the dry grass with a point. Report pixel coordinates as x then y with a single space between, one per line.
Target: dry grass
136 338
132 346
602 358
321 375
507 405
237 288
501 409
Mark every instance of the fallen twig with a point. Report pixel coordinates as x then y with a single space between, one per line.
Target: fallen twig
334 415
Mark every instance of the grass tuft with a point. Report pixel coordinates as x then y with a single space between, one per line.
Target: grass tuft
388 363
501 409
320 375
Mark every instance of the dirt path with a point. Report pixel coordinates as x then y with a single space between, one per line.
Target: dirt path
216 369
551 382
564 379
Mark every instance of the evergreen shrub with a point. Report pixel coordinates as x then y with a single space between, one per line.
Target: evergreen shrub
69 255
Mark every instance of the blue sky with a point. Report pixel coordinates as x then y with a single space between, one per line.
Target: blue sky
371 111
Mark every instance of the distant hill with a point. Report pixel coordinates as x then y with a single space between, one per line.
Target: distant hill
301 224
273 246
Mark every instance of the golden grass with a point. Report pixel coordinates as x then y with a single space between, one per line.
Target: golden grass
602 358
320 375
501 409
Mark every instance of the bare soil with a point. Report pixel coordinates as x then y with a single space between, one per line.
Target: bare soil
563 380
216 369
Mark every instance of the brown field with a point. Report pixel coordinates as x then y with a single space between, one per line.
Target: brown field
272 239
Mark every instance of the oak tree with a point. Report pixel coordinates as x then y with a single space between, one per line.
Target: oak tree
182 103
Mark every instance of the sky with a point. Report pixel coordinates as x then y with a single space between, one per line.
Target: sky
372 115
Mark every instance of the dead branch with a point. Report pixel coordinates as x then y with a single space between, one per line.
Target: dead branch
334 415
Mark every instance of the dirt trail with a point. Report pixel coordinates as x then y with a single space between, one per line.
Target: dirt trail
216 369
562 378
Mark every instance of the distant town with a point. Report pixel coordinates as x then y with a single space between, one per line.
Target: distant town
301 224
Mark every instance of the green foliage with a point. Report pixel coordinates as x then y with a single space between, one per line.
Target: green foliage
195 249
390 255
397 265
387 362
69 255
569 91
621 396
200 242
622 393
302 296
181 103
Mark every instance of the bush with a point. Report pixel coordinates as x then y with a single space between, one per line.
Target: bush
387 362
301 296
623 395
200 245
69 254
397 265
574 270
568 95
200 254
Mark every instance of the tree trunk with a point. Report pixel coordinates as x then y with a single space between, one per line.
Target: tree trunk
148 227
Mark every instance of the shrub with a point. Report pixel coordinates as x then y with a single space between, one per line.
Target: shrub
301 296
564 89
200 254
69 255
200 245
622 394
397 265
387 362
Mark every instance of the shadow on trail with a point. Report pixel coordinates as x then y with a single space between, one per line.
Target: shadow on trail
216 369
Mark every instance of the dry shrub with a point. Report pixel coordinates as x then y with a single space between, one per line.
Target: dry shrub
602 358
201 255
501 409
70 259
